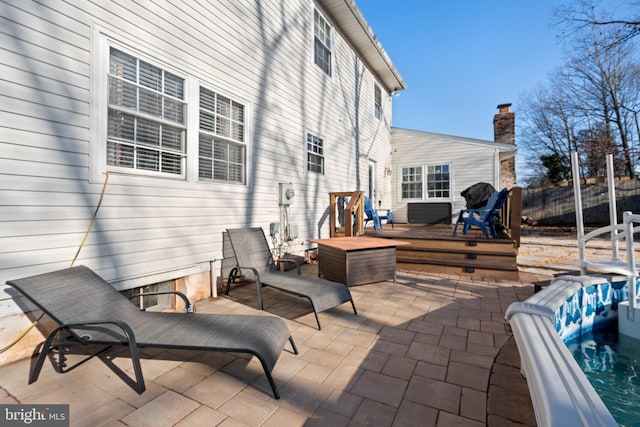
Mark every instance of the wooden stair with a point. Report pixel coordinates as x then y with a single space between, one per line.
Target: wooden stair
433 249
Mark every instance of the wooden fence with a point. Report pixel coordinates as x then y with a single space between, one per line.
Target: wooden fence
555 206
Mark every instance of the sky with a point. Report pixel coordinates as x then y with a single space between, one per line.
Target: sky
460 60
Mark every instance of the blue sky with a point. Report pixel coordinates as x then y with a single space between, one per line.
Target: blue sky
461 59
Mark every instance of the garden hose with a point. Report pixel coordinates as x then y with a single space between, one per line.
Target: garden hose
86 236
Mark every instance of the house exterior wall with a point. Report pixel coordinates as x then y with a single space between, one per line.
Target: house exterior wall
469 163
149 228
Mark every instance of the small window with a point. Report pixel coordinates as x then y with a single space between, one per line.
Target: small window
161 302
412 183
377 101
146 117
438 182
315 154
221 141
322 49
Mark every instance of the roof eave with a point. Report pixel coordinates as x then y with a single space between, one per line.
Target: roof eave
351 22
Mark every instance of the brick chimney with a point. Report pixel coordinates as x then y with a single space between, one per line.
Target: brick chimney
504 132
504 125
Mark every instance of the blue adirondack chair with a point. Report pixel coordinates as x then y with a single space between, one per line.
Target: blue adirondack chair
372 214
483 218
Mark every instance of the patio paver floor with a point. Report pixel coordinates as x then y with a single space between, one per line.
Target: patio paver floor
429 350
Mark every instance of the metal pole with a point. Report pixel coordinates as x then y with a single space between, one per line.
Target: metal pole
613 212
578 201
631 262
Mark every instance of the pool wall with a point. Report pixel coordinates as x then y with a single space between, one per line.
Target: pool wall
560 392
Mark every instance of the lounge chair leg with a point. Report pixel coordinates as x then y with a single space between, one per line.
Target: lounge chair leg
272 383
293 345
259 291
137 369
317 319
232 277
267 373
33 377
354 307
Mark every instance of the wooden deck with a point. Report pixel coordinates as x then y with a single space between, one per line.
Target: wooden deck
433 248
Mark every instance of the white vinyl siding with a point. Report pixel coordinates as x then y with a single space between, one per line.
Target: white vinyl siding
154 224
469 161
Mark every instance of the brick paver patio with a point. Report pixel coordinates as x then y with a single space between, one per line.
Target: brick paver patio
429 350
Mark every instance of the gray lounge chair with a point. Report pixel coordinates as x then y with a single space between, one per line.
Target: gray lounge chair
254 259
90 311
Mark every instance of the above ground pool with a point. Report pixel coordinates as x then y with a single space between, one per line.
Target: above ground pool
573 360
611 363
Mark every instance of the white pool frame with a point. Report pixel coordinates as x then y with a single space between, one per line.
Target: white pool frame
560 392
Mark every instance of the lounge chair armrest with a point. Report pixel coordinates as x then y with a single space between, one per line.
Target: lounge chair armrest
119 323
126 329
253 270
188 306
296 263
468 211
477 211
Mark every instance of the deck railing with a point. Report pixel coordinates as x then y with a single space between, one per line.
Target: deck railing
342 223
511 214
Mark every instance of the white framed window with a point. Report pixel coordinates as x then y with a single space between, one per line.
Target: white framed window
152 118
377 101
411 182
315 153
322 42
438 182
146 120
221 139
426 182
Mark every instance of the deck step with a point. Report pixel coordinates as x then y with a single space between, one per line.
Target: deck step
459 270
434 249
464 264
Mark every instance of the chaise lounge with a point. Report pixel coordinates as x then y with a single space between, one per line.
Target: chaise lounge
90 311
254 259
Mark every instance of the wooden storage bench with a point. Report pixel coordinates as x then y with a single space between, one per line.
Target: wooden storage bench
357 260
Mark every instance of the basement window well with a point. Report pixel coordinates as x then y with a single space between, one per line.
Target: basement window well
162 302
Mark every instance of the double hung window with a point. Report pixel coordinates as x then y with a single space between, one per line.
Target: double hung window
377 101
221 141
146 127
322 47
426 182
412 182
315 154
438 182
158 121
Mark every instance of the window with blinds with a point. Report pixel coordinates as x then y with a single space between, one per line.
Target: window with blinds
221 143
315 154
146 127
322 42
